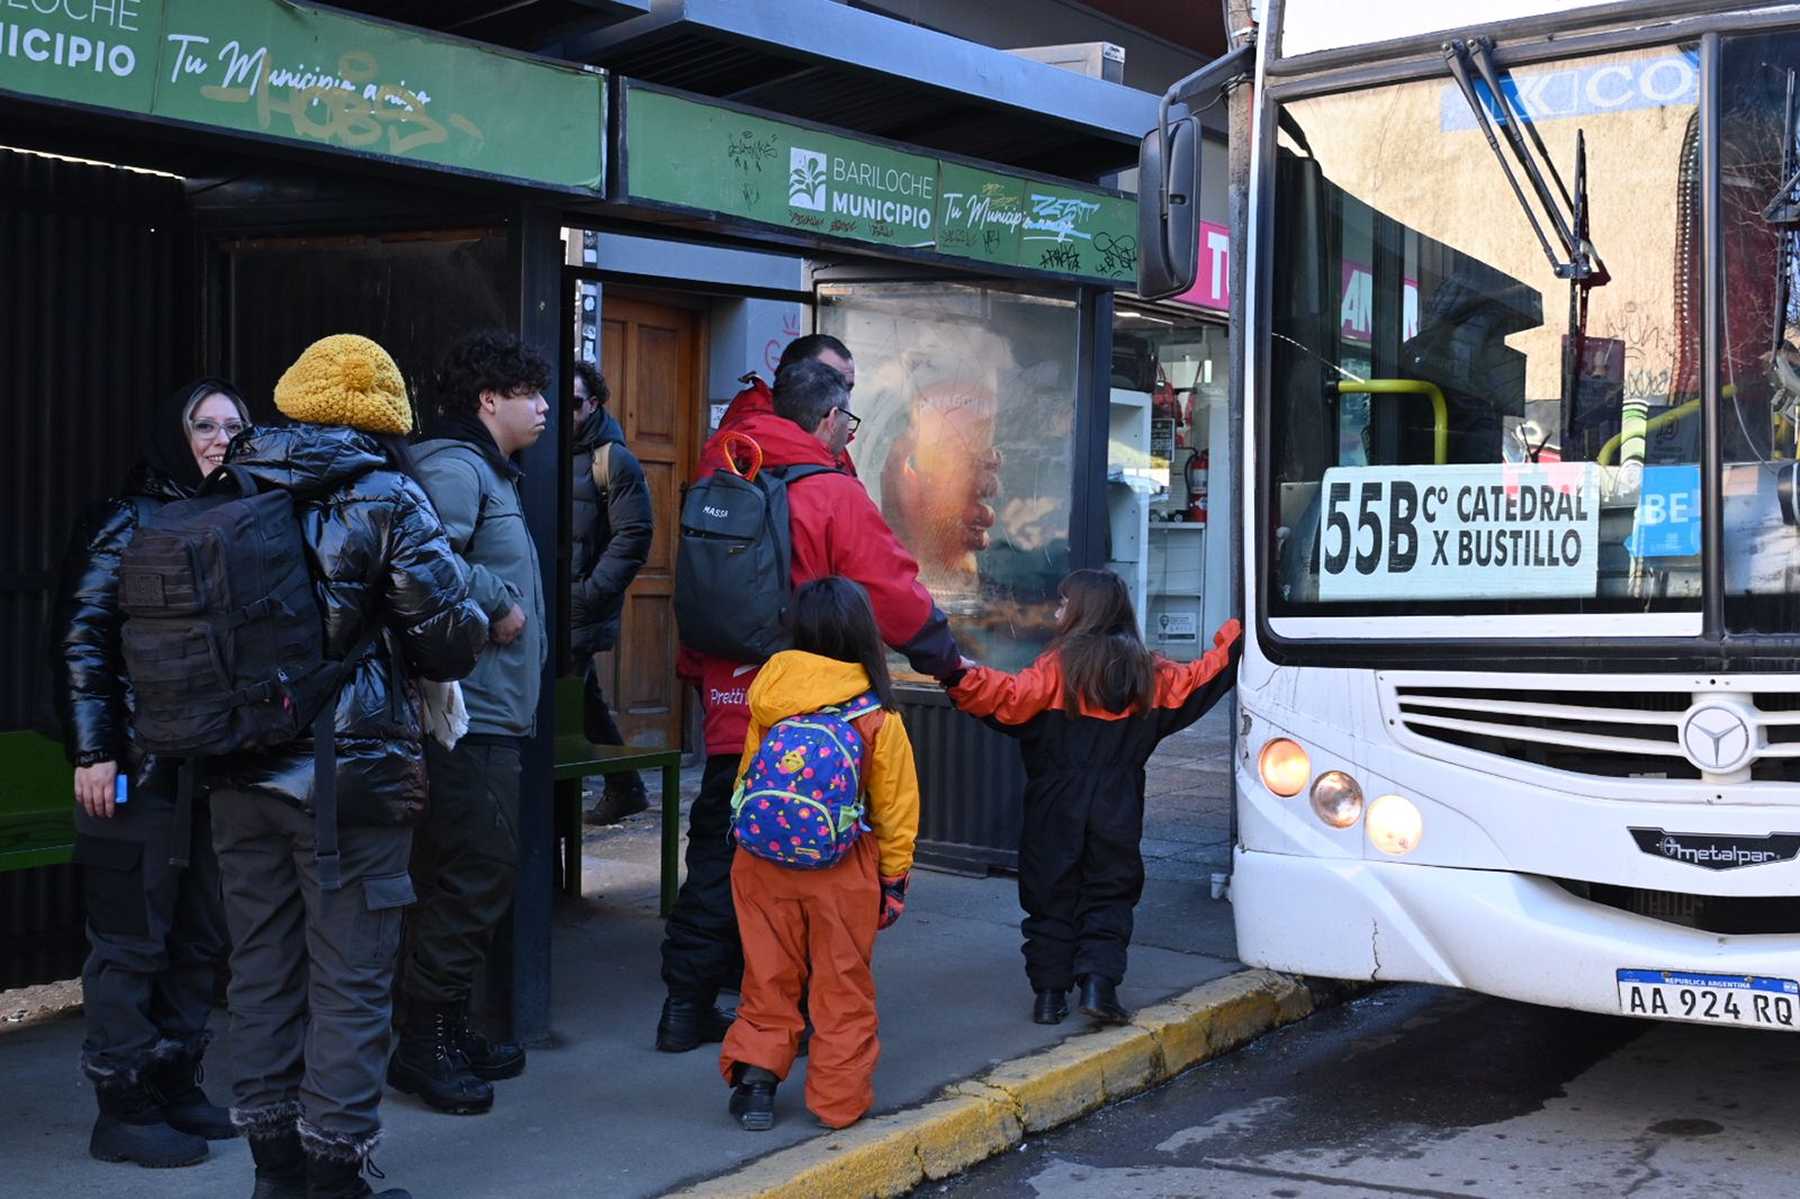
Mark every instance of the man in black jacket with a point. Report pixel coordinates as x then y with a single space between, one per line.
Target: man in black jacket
612 530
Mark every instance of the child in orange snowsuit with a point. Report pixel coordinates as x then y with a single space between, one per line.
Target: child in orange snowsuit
810 933
1088 714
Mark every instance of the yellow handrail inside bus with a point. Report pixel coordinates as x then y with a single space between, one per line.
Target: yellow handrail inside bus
1679 412
1440 409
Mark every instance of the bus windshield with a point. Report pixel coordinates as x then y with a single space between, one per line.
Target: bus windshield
1452 424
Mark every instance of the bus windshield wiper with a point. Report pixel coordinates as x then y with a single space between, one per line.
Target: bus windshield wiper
1579 263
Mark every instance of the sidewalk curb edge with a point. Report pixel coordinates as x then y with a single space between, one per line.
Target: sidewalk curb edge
976 1119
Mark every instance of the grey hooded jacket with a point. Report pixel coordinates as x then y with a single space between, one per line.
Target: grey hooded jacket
484 519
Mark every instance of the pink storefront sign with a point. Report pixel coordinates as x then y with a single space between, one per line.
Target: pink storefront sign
1212 286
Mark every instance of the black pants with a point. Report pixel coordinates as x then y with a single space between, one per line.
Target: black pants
156 934
1081 872
597 722
465 864
312 971
700 952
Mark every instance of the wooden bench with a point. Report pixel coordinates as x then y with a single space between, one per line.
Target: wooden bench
37 802
578 758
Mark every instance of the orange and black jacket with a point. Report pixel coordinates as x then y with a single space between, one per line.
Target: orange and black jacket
1057 742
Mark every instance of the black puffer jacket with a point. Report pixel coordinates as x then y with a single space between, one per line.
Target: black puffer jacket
378 552
612 535
87 666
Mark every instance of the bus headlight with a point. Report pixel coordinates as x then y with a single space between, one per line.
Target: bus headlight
1395 825
1284 767
1336 799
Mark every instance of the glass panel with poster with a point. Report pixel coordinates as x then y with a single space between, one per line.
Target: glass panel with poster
967 396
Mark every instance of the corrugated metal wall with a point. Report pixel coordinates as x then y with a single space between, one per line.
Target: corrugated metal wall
971 787
91 308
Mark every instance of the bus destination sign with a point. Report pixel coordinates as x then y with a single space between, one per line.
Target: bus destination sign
1502 531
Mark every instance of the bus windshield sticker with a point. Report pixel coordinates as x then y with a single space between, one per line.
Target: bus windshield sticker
1666 523
1514 530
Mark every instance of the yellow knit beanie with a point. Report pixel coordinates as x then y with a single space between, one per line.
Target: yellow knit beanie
346 380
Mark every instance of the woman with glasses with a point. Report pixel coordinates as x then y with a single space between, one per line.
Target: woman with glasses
156 931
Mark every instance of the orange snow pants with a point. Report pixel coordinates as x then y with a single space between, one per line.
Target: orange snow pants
811 933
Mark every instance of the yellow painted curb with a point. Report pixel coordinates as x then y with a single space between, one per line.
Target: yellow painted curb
974 1120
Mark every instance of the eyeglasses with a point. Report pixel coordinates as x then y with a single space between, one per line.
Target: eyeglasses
855 420
208 429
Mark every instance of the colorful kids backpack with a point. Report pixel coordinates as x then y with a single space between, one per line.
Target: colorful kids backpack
800 804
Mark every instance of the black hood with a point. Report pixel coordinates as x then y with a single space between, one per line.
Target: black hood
167 453
597 430
147 480
307 460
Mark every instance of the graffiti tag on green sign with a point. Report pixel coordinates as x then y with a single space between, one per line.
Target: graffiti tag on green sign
716 159
292 71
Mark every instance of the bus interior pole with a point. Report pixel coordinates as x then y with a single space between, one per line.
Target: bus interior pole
1240 103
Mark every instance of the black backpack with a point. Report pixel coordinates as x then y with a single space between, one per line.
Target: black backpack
734 568
224 639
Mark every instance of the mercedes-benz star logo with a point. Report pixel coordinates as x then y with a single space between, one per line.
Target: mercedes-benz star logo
1717 739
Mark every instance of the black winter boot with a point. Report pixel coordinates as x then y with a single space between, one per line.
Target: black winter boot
173 1077
753 1098
131 1128
623 796
1100 1001
689 1022
488 1060
1050 1007
335 1163
280 1167
429 1063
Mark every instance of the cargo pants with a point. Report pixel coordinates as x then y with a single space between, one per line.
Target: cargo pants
156 934
312 971
465 864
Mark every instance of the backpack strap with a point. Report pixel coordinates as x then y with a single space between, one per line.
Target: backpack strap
324 731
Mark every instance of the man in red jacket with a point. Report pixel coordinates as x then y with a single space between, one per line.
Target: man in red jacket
757 398
836 530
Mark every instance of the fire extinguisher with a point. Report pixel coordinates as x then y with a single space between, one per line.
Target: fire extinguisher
1195 477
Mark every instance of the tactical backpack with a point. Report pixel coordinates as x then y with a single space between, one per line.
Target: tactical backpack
800 804
224 639
734 567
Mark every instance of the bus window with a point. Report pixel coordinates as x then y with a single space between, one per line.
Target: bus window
1452 426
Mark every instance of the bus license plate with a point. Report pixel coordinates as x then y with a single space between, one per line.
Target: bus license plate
1711 998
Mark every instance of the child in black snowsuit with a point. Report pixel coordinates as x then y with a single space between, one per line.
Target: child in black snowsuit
1088 714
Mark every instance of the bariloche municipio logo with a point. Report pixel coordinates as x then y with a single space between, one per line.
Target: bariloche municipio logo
806 179
1715 851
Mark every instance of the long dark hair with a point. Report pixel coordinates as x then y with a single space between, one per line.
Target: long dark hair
1104 661
832 617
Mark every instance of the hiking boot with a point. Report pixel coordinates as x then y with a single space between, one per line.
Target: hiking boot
429 1064
1050 1007
174 1082
688 1023
1100 1001
753 1098
623 796
280 1166
488 1060
131 1128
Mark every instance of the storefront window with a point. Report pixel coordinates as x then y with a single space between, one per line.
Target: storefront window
967 395
1454 425
1168 385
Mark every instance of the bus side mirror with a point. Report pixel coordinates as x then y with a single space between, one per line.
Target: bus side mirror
1169 211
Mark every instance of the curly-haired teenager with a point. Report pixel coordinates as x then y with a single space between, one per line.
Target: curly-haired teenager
1088 714
489 392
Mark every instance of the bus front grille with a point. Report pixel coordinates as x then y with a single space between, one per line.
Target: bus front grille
1725 915
1610 733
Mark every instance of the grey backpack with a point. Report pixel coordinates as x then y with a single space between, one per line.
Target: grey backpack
734 567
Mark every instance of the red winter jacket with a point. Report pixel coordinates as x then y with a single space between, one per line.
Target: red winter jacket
755 398
836 530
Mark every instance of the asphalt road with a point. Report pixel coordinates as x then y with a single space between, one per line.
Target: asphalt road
1417 1091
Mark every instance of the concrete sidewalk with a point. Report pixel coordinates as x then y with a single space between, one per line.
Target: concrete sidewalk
600 1113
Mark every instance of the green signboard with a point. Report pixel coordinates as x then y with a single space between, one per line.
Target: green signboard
704 156
290 70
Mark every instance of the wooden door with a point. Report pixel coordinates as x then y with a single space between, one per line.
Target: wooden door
650 354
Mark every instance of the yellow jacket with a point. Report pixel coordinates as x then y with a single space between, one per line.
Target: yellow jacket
794 682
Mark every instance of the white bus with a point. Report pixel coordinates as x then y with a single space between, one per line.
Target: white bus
1519 708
